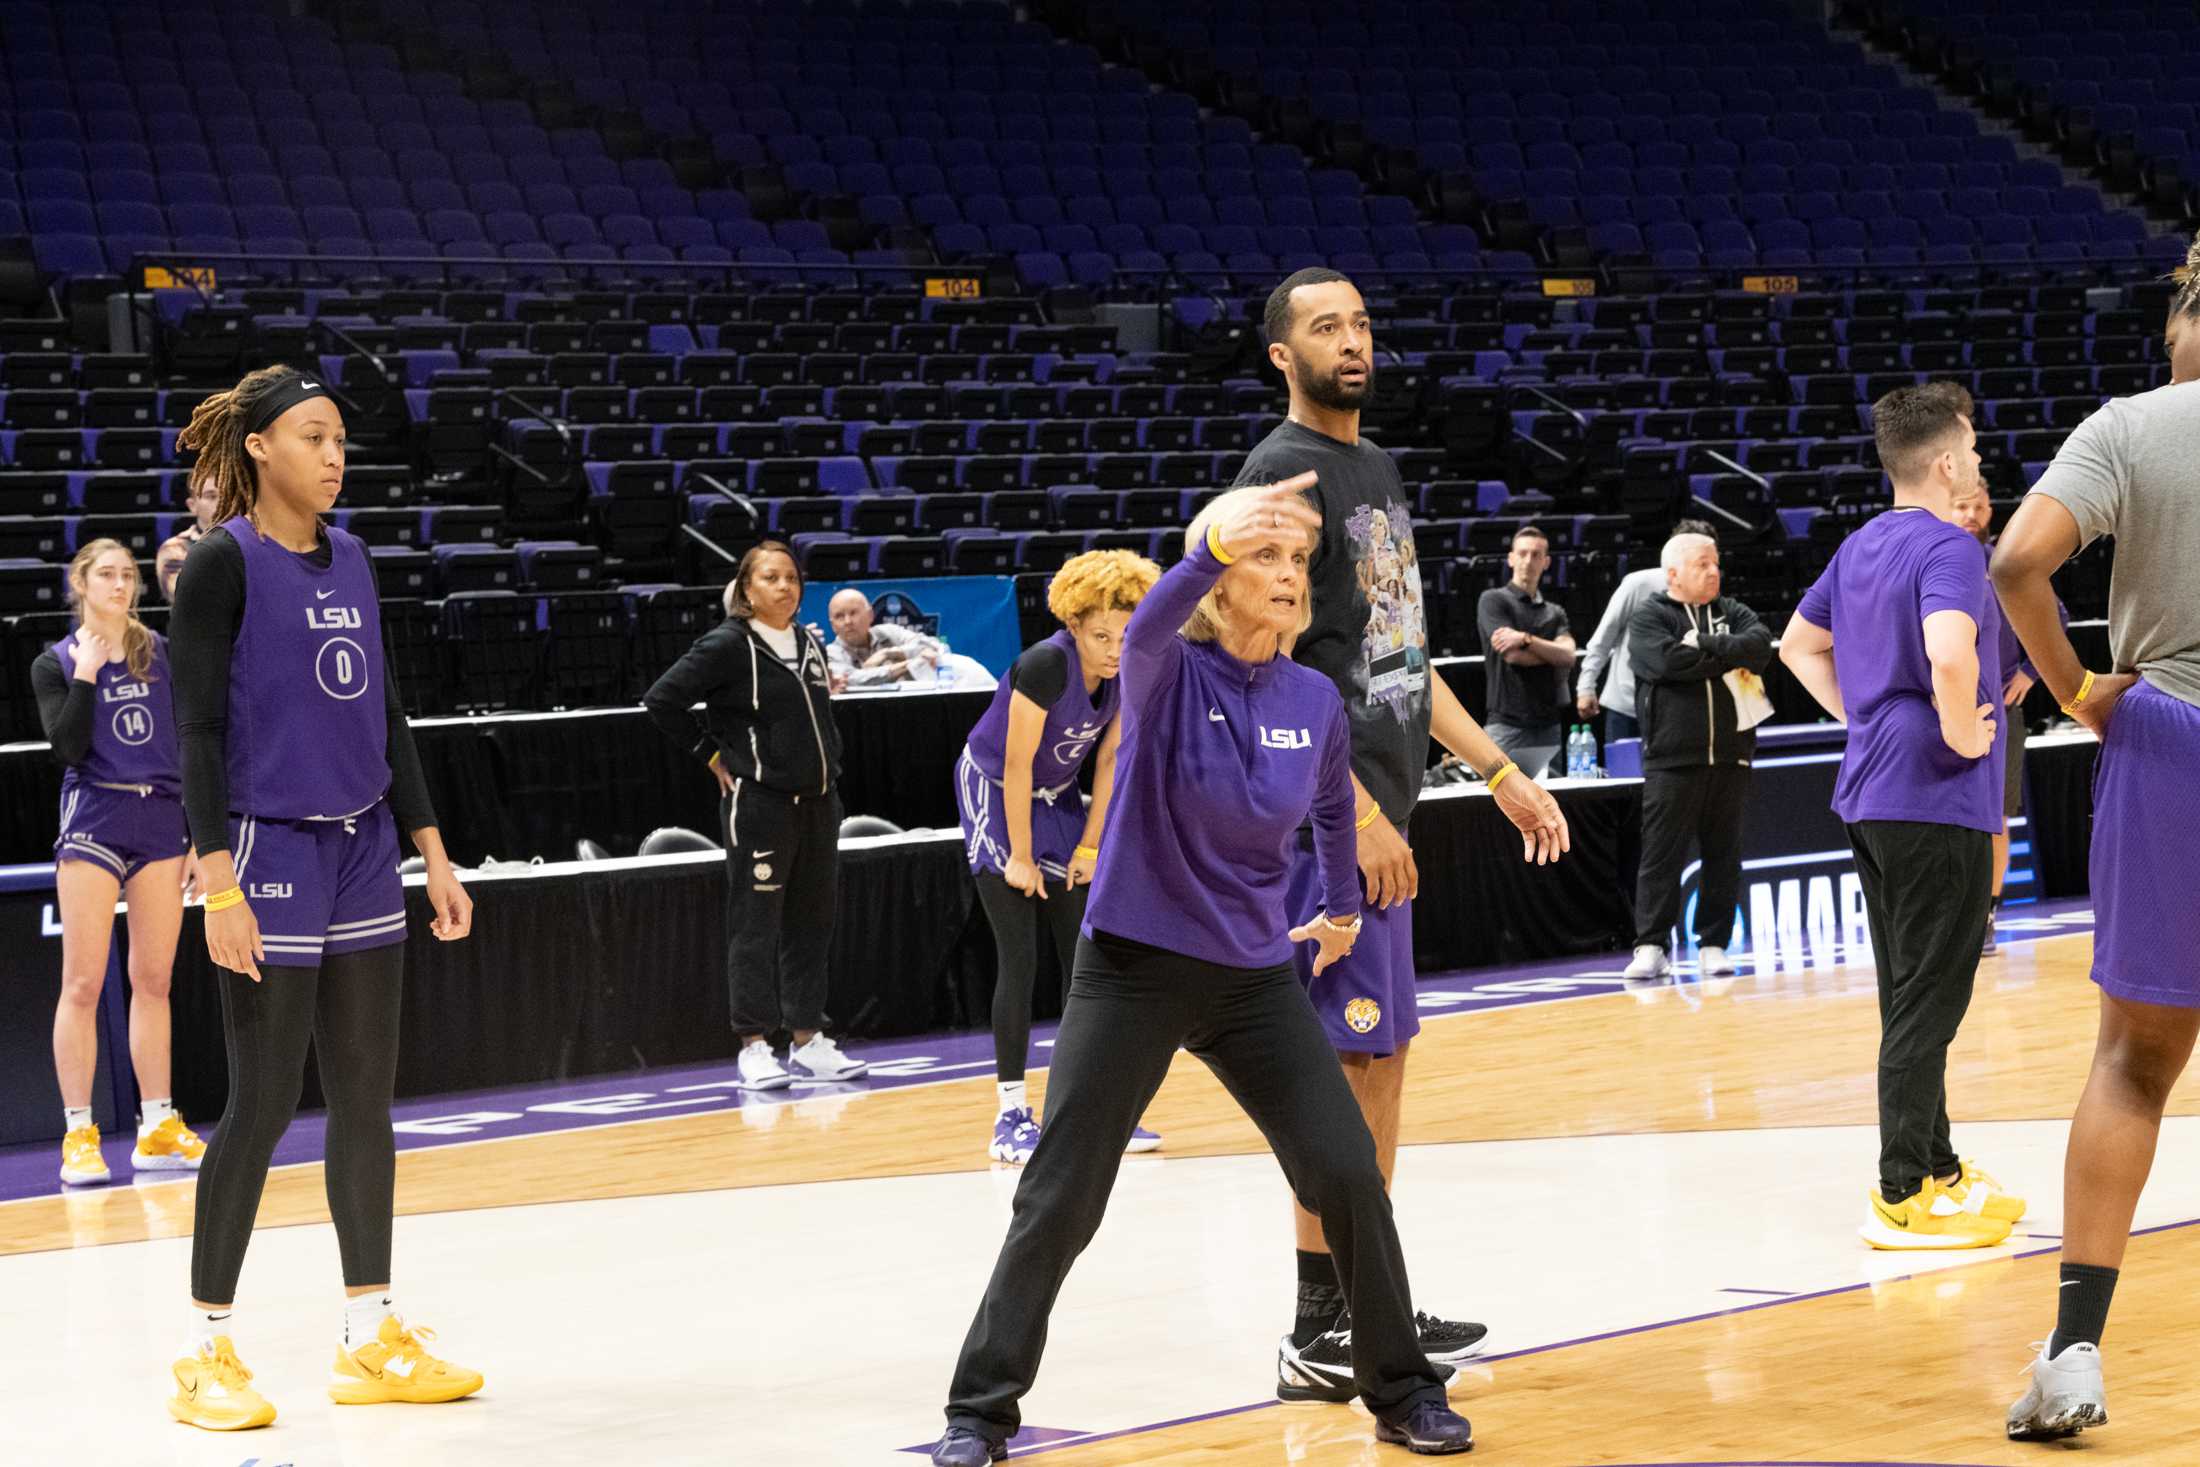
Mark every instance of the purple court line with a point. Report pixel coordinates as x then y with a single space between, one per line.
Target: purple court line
1639 1329
1775 1293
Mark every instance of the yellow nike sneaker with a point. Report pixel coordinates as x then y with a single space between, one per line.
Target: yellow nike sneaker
395 1366
214 1391
81 1162
1930 1217
170 1146
1981 1195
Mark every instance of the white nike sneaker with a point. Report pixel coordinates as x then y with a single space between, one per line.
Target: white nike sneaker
2066 1395
1713 962
821 1059
760 1069
1650 962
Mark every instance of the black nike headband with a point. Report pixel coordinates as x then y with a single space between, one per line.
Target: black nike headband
287 394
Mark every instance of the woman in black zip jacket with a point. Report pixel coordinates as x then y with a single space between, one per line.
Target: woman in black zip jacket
766 730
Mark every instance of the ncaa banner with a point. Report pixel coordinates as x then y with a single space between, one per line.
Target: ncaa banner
976 615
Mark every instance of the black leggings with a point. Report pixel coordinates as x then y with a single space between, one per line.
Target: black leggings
1015 918
347 1007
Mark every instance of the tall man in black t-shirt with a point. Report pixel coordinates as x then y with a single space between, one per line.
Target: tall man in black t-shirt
1528 657
1370 638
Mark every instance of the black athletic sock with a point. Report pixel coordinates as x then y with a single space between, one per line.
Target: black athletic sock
1321 1300
2081 1306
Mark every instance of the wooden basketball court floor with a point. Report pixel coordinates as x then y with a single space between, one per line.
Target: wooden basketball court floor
1651 1198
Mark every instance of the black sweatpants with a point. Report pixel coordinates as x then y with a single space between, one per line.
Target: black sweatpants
1015 920
1925 891
1702 805
347 1008
782 886
1130 1008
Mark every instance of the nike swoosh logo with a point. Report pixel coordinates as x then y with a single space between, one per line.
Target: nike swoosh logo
1892 1220
309 386
1215 716
322 595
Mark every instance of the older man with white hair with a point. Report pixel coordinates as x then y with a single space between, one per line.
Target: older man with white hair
866 656
1696 656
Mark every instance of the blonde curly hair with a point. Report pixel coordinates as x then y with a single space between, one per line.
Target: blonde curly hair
2187 300
1100 580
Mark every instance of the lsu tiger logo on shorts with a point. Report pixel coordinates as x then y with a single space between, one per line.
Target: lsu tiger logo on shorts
1362 1015
763 871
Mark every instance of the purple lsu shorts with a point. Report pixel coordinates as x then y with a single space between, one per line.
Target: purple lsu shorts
321 887
2146 897
120 831
1056 825
1366 1000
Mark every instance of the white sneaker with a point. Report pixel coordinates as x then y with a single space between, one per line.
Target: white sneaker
821 1059
2066 1396
1650 962
1713 962
760 1069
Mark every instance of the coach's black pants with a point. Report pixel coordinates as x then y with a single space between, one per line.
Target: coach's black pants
782 884
1680 806
1130 1008
1925 890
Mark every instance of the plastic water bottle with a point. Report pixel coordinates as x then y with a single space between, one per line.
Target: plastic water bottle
945 674
1576 758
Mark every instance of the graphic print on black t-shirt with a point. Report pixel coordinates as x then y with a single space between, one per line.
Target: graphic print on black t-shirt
1369 635
1394 667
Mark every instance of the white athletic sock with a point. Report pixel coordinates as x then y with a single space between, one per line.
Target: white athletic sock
363 1316
1012 1096
152 1112
77 1116
205 1325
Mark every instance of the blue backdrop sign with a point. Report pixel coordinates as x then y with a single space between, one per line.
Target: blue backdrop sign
976 614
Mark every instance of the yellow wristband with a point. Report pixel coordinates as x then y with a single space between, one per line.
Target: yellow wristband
1089 852
713 761
1502 774
1214 545
222 901
1369 818
2084 689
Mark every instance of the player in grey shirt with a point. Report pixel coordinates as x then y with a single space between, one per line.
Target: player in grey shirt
2132 471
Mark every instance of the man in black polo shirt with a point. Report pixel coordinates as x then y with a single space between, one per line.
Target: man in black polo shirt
1529 657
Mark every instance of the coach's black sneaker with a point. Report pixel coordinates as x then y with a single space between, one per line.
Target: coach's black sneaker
1449 1341
1323 1370
1445 1341
1431 1429
962 1447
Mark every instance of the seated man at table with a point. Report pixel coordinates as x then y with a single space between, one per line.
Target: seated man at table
1696 655
865 656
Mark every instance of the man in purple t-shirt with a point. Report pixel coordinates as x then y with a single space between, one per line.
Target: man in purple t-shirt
1900 639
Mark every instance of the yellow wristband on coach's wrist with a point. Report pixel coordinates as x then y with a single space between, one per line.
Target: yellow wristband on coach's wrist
222 901
1502 775
1214 545
2085 690
1091 853
1369 818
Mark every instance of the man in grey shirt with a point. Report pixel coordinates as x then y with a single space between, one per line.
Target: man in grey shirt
2131 471
865 656
1617 698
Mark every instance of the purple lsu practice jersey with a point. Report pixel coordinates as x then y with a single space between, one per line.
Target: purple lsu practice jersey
133 724
1073 727
308 727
